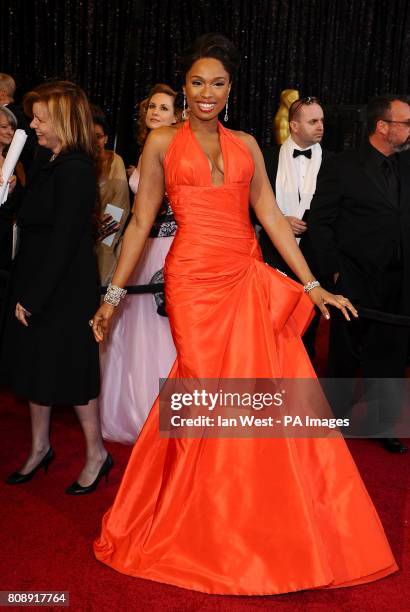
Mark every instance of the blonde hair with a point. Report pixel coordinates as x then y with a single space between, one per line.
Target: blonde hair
142 131
8 84
11 117
70 114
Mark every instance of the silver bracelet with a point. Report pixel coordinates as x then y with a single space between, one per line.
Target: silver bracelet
114 295
309 286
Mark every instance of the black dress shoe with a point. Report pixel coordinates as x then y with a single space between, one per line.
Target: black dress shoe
393 445
19 478
77 489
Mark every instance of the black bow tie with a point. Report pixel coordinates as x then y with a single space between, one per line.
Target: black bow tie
307 153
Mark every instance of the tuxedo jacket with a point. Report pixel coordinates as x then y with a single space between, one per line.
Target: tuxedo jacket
358 230
270 254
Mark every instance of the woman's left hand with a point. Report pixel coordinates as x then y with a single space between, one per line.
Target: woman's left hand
22 314
320 297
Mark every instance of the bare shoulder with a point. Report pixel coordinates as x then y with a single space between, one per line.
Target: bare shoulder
248 139
160 139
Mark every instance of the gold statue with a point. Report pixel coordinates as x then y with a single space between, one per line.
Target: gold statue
281 121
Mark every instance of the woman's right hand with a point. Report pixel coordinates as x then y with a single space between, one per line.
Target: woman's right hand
101 321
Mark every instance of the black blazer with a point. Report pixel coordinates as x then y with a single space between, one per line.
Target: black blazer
270 254
271 157
54 275
357 230
56 250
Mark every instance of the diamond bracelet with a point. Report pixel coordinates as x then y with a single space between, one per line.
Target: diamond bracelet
309 286
114 295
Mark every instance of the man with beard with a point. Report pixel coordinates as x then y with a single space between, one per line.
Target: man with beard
360 227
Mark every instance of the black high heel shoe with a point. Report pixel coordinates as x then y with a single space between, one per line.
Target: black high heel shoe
19 478
77 489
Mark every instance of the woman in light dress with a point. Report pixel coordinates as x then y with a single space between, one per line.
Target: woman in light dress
140 349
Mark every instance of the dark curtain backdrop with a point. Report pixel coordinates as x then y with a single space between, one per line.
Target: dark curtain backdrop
85 41
342 51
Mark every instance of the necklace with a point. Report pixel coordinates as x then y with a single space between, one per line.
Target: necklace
52 158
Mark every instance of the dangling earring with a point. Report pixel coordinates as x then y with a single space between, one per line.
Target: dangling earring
226 110
184 109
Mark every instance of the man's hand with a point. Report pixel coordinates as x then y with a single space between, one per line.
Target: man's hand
298 226
22 314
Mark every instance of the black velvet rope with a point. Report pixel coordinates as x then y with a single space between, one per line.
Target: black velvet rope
138 289
367 313
131 289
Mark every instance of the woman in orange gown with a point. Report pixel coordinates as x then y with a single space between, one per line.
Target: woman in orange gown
227 515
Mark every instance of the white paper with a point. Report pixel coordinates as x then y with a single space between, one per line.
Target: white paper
13 154
116 213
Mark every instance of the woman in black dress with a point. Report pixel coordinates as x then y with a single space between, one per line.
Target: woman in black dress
49 350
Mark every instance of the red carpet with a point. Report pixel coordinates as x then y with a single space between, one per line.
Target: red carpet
46 535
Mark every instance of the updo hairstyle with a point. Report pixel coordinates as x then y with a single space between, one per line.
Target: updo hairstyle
213 45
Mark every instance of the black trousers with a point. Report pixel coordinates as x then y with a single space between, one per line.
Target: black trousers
380 350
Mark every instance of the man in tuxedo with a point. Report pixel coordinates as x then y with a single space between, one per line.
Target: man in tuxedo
360 227
292 169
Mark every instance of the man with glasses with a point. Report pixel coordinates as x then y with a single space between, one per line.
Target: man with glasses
360 228
292 169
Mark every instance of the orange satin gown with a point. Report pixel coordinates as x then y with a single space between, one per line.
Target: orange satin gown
237 516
